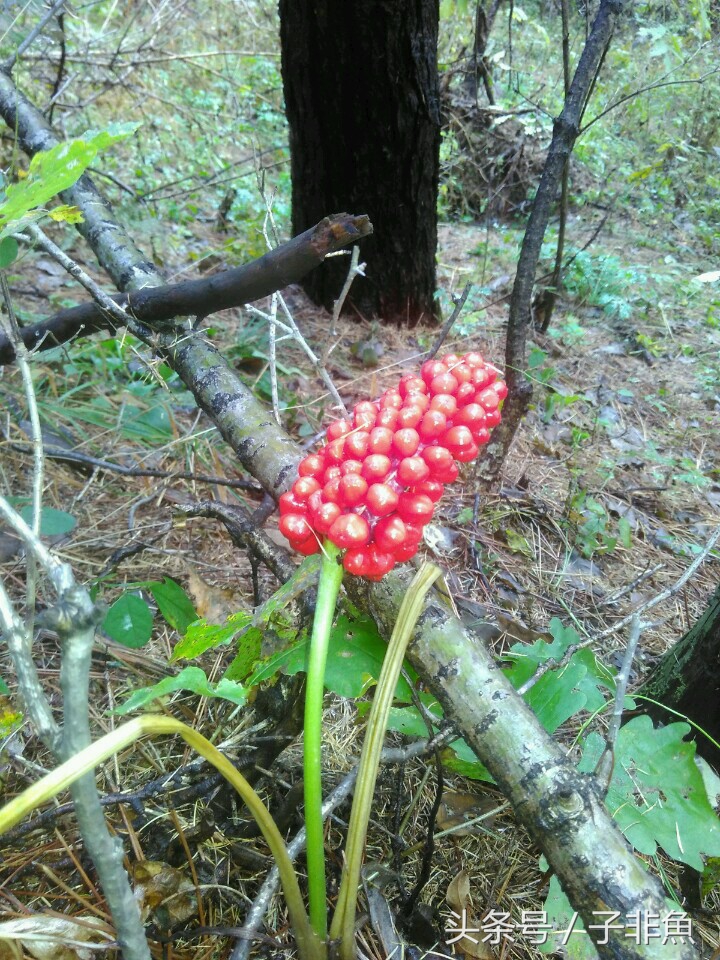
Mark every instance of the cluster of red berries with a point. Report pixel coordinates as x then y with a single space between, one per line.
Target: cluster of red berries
374 485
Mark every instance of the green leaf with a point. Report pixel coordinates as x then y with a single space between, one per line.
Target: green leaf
4 689
625 531
66 214
249 647
657 793
8 251
193 680
517 543
201 636
560 915
52 171
53 523
129 621
174 604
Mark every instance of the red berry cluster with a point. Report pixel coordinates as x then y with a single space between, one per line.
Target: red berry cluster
374 485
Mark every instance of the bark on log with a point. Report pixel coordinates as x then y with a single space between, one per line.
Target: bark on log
559 806
156 305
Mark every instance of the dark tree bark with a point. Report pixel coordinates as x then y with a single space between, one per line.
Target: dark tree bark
687 679
362 101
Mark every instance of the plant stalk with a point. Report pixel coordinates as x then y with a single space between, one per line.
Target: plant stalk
331 573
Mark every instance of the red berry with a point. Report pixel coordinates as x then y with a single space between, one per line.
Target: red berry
414 532
433 425
439 459
411 383
303 487
431 369
376 467
409 416
474 359
378 563
488 399
325 516
306 547
349 530
289 503
466 454
443 383
364 414
462 373
405 552
391 398
431 488
338 429
481 377
492 419
381 439
415 507
500 388
445 404
412 470
456 438
406 441
350 466
335 451
471 416
356 445
482 435
387 417
465 394
295 526
356 561
312 466
390 533
450 360
331 491
332 473
353 489
381 499
419 400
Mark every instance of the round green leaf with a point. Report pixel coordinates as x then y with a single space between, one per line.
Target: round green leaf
8 251
129 621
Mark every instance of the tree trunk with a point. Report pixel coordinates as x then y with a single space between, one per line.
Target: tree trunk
687 679
362 102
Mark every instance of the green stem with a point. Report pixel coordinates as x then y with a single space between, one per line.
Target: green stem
309 947
331 573
343 925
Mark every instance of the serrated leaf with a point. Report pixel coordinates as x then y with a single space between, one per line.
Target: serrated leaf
53 523
191 679
8 251
129 621
657 793
174 604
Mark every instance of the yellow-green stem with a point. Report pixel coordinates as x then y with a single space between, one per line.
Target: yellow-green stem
309 946
331 573
343 924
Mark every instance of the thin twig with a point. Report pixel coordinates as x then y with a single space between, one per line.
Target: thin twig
353 272
553 664
7 65
604 768
459 304
272 358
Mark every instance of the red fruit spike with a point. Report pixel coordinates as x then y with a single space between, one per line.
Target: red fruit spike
412 470
376 467
406 441
488 399
391 398
411 384
338 429
357 561
406 552
350 466
303 487
415 507
349 530
443 383
433 425
332 473
353 489
331 491
306 547
295 526
473 359
289 503
381 499
456 439
409 417
465 394
500 388
312 466
381 439
325 516
335 451
467 453
492 419
387 417
364 414
356 445
432 368
472 416
390 533
462 373
445 404
431 488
